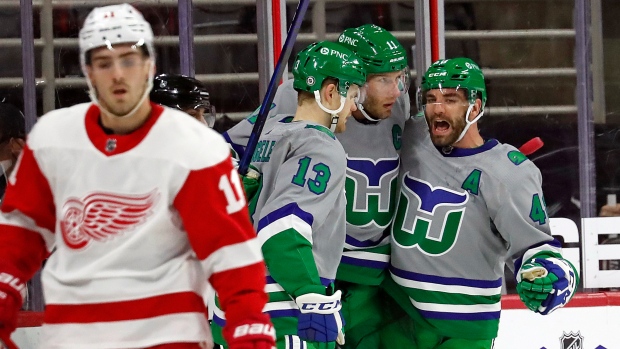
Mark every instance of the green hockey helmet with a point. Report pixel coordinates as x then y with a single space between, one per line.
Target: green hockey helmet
325 59
376 47
457 73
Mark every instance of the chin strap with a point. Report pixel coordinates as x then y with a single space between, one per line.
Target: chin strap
333 113
469 123
93 95
360 107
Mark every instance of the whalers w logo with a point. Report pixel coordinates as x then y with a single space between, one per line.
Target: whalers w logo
370 187
425 217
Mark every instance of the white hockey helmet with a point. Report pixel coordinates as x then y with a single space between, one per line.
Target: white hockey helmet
115 24
111 25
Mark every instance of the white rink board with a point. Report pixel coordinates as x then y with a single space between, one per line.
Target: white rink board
522 329
595 317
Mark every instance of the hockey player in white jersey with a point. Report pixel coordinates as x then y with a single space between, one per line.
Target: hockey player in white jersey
299 209
372 143
466 206
134 218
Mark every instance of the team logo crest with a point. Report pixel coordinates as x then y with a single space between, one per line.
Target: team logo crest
571 340
103 216
428 217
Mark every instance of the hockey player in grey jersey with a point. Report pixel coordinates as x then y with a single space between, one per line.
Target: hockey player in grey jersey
299 209
466 206
372 143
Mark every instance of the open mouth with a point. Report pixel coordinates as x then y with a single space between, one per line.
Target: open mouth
441 127
119 92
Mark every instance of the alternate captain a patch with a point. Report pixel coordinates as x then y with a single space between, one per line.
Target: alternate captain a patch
428 218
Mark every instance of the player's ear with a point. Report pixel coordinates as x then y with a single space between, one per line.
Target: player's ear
476 109
331 94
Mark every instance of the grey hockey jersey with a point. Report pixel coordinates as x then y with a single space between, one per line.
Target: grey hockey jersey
372 152
461 214
299 214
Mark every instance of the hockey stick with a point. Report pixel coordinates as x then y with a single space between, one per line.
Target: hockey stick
273 85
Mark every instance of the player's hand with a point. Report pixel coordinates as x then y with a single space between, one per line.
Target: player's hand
320 319
12 291
545 284
255 332
610 211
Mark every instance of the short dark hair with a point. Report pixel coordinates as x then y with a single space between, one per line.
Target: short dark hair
12 122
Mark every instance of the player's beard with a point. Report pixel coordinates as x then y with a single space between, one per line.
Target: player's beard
456 127
374 108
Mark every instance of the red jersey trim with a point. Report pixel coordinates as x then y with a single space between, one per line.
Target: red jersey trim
122 143
174 303
580 300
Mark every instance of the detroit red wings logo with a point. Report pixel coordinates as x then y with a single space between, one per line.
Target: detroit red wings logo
103 216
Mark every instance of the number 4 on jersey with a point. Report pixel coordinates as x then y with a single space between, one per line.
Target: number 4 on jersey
537 212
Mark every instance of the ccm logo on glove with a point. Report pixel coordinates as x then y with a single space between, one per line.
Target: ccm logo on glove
317 307
252 329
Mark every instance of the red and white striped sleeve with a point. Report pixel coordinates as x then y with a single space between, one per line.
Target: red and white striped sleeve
27 219
214 212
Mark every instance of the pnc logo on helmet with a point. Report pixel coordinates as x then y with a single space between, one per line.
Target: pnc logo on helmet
324 50
347 40
339 54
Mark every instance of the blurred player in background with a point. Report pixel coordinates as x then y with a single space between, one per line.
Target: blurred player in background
186 94
467 205
299 208
372 142
12 140
116 189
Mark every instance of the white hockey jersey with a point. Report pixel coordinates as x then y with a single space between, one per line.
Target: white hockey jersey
137 223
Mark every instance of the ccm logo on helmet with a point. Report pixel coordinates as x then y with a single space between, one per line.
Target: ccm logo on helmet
437 74
320 306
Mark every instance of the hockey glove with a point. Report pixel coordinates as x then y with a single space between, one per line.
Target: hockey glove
256 332
545 284
320 319
251 182
11 295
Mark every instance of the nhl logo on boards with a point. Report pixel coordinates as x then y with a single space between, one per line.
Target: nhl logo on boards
110 145
571 340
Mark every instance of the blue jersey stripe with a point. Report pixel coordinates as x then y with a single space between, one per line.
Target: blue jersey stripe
286 210
409 275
